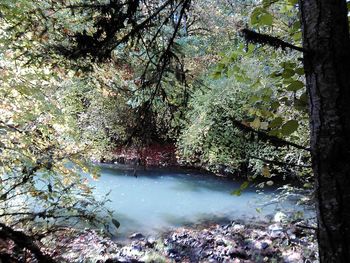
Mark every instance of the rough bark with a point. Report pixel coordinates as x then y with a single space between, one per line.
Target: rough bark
327 68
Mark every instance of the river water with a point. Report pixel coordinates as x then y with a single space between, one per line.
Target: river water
158 199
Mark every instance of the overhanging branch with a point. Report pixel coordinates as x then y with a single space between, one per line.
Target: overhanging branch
263 136
263 39
279 163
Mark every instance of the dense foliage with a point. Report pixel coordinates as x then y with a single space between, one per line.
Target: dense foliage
251 117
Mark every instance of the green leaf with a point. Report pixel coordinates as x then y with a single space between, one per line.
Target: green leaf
296 25
276 123
289 127
274 132
297 36
234 56
254 99
266 19
293 2
287 65
301 103
295 85
244 185
300 71
303 97
307 185
261 17
238 191
216 75
287 73
274 105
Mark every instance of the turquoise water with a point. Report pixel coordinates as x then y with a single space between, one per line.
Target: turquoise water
157 199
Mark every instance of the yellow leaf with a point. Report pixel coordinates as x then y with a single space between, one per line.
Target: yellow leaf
266 172
256 123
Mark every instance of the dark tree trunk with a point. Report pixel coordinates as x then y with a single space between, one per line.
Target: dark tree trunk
327 68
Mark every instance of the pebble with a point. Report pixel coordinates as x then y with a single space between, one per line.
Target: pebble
225 243
136 236
275 230
237 227
150 242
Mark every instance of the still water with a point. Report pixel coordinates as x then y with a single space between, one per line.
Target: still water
159 199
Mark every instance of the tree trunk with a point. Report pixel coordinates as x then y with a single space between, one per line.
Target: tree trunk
327 69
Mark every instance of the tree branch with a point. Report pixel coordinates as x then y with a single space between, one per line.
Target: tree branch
266 137
140 26
279 163
258 38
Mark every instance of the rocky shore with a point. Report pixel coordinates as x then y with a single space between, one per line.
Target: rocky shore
234 242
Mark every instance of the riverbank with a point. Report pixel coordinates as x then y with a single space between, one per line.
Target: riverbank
164 155
154 155
233 242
